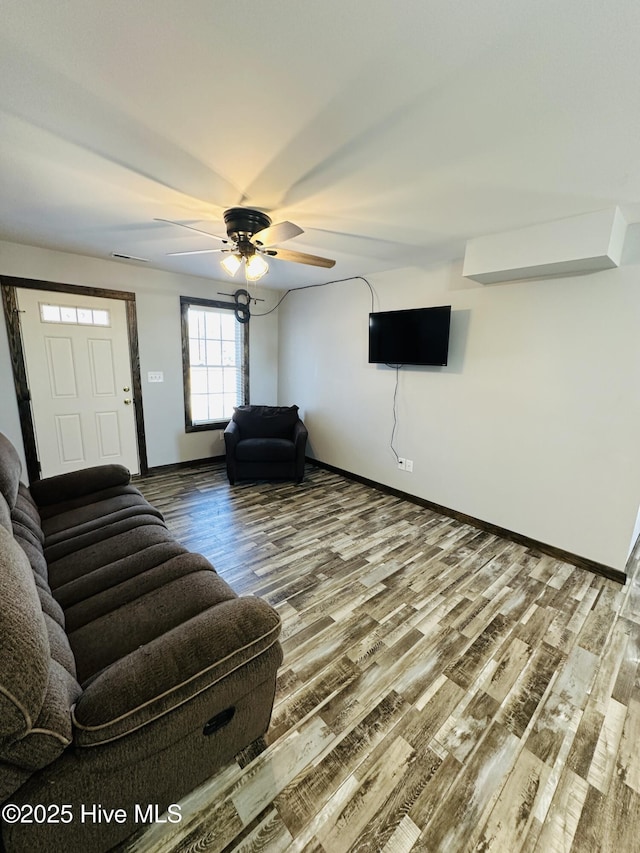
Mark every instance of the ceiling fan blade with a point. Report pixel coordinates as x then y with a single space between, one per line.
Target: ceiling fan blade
191 228
277 233
198 252
300 258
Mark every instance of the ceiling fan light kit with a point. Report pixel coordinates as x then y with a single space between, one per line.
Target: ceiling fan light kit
255 267
252 236
231 264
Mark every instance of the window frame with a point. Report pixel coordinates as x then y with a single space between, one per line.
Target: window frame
187 302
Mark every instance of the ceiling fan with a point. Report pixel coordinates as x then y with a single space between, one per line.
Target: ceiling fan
250 237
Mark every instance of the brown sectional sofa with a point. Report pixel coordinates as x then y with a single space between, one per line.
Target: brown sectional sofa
129 670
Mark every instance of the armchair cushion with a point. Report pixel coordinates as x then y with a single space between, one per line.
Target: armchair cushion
259 449
265 421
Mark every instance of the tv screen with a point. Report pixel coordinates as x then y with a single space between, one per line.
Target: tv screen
414 336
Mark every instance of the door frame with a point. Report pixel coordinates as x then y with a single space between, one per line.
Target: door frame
9 286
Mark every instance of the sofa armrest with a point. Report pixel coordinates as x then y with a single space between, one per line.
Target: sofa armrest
162 675
76 484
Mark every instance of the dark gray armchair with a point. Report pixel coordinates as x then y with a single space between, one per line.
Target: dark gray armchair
265 443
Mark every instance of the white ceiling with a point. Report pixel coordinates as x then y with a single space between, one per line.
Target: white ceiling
389 130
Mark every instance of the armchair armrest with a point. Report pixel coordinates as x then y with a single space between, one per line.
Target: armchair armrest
162 675
76 484
300 434
231 435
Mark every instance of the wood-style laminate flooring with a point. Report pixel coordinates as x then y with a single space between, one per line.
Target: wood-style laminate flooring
442 689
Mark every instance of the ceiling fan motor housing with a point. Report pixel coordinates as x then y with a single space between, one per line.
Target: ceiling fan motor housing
242 223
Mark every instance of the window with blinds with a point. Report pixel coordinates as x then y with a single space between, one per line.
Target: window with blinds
215 357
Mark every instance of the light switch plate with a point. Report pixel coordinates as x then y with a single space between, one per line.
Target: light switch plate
157 376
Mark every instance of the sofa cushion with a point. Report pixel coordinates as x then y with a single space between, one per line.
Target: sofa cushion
146 617
10 470
24 647
11 778
99 528
59 645
26 533
262 449
101 535
89 585
26 503
73 504
28 516
265 421
94 514
35 555
52 730
26 522
74 566
50 606
75 484
167 672
157 573
5 514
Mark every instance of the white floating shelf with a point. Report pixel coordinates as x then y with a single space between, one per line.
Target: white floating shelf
586 243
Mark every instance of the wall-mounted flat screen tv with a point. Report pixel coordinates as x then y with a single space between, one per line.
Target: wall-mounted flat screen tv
413 336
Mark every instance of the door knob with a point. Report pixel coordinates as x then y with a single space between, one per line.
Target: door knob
126 389
127 402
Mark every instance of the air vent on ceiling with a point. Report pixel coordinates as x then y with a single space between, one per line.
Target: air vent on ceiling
124 257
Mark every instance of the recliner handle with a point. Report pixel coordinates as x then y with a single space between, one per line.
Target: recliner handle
218 722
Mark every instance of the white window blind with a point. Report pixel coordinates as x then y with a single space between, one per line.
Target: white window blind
216 363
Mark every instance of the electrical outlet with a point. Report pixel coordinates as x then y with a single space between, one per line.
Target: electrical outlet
402 464
221 434
408 465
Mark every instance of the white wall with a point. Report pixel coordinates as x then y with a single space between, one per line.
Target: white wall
535 423
158 309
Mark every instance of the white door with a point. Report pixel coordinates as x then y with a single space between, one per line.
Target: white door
77 359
